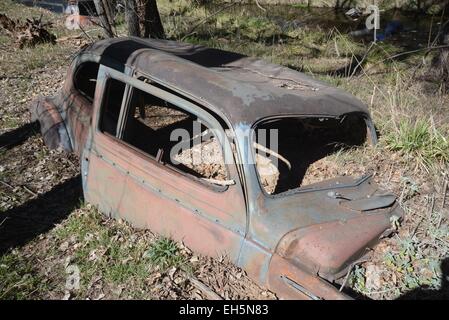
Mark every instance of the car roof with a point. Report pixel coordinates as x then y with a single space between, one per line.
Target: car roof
243 89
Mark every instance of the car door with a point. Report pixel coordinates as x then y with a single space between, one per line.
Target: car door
102 168
144 188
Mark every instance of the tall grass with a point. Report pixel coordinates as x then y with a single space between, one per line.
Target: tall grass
419 139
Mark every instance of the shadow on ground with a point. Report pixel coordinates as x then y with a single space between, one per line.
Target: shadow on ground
10 139
21 224
424 293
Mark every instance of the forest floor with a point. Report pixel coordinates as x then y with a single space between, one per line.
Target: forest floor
46 229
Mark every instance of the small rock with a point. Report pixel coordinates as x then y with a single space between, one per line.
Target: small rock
64 246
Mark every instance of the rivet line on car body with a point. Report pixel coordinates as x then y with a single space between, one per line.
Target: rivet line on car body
153 189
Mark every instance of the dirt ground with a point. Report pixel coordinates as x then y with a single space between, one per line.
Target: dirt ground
46 229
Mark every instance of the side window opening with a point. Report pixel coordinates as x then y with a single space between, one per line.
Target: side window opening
112 103
85 79
303 147
153 125
168 134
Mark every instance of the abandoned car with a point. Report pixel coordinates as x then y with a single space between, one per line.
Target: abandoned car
123 100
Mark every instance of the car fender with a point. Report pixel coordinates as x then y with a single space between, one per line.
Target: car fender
53 128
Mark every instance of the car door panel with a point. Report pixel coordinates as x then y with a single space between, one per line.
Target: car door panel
105 182
124 182
172 204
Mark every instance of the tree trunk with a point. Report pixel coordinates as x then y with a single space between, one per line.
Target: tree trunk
132 18
104 18
444 61
109 6
152 24
440 63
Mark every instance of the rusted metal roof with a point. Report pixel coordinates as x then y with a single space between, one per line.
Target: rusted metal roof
242 89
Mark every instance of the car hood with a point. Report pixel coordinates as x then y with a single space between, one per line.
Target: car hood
328 226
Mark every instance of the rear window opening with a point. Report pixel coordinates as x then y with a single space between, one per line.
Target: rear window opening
87 8
85 79
291 152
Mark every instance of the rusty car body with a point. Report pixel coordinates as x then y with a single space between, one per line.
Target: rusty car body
298 242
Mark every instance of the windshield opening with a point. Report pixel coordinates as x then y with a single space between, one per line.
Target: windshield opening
290 152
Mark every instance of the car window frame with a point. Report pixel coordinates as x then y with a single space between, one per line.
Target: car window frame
105 74
309 187
74 82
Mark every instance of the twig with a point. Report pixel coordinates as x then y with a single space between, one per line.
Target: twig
378 292
337 51
23 186
30 191
69 38
3 221
86 34
6 184
346 278
212 295
351 266
406 53
432 205
89 31
219 182
16 285
443 202
417 226
260 7
362 60
414 51
430 32
372 101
